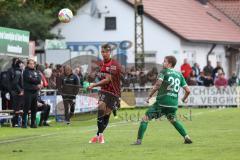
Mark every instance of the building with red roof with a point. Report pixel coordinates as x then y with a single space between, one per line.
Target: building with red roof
194 29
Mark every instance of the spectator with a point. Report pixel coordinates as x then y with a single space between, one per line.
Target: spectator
233 81
152 75
47 72
51 66
46 65
220 81
126 79
78 71
142 79
17 98
45 109
192 80
6 83
186 69
40 69
31 84
52 80
69 90
59 75
208 80
208 69
133 76
201 79
196 69
217 70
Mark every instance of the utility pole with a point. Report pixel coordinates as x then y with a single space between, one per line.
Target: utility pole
139 36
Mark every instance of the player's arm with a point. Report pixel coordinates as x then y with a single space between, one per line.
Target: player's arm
186 94
154 89
185 88
105 81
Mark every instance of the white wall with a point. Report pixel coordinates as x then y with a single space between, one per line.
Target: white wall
84 28
159 39
200 50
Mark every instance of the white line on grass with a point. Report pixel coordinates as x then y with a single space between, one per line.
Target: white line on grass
214 110
53 134
26 138
88 130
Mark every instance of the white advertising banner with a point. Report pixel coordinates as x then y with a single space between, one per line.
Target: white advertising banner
212 96
83 103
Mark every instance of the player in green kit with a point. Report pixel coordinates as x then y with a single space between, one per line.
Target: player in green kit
168 85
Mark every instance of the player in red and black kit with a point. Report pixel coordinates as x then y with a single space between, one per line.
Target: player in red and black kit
110 93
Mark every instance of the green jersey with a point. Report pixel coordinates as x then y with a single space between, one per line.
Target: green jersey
168 92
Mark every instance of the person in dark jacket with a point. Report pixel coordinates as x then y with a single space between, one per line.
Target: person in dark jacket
6 86
69 90
31 84
208 69
45 110
16 92
196 69
218 68
233 81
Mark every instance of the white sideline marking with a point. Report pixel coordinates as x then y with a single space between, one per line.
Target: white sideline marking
26 138
52 134
88 130
214 110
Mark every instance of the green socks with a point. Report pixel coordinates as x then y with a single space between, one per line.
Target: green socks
142 129
180 128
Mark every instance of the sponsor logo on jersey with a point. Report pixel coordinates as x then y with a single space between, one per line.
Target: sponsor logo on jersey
113 67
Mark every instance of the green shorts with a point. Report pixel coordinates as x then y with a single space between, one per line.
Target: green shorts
156 111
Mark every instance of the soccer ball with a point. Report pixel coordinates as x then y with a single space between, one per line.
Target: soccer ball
65 15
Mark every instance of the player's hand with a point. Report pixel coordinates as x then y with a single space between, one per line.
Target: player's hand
91 86
184 100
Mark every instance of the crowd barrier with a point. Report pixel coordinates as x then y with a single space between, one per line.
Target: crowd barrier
135 97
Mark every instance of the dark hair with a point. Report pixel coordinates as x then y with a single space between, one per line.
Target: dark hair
106 47
172 60
40 67
58 66
14 61
30 60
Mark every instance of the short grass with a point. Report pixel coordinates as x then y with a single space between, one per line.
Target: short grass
215 133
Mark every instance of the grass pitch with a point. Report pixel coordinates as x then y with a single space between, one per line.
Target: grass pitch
215 133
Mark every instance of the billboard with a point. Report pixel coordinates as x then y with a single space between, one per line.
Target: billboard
14 42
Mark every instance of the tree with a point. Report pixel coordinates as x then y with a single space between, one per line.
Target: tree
36 16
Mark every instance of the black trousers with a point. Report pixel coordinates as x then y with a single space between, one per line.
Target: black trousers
69 104
45 109
17 105
30 103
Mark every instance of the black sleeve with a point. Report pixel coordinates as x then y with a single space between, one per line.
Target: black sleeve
25 76
76 80
38 79
31 79
16 82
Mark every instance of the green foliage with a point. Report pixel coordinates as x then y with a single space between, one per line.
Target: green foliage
36 16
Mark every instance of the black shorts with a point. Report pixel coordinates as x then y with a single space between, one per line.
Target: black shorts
111 101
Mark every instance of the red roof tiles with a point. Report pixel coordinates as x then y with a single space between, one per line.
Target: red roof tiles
192 21
231 8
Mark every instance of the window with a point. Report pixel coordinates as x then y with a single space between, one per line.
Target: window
110 23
